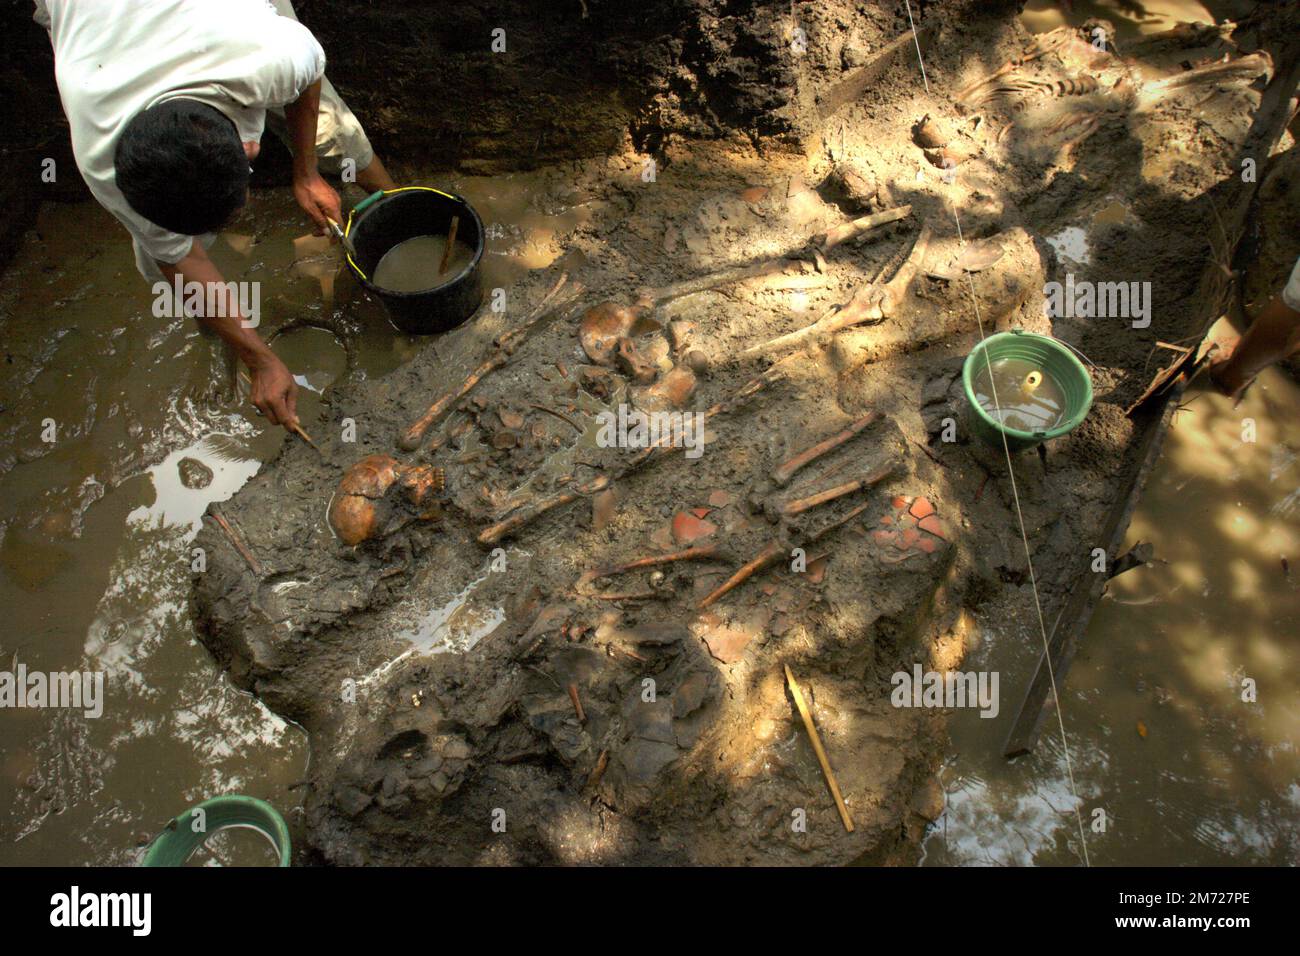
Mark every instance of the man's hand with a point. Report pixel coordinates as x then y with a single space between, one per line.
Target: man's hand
318 200
274 391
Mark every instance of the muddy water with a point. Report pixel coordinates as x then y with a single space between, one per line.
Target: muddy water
95 562
417 264
1017 394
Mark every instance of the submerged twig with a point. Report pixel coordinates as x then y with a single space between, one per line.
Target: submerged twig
236 541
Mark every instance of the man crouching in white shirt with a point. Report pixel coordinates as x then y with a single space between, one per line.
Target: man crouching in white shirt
167 101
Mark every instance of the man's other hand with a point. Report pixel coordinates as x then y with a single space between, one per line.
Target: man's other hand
318 200
274 391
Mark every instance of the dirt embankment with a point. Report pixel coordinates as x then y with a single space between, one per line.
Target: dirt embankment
538 703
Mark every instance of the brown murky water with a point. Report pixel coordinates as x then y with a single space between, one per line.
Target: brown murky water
1018 394
95 561
416 264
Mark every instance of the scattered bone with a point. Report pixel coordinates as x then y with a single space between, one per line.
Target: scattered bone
673 390
764 559
1040 46
577 703
364 505
800 505
869 303
605 325
643 359
680 333
533 508
699 553
697 360
604 505
785 471
505 347
851 230
858 188
1244 69
774 552
928 134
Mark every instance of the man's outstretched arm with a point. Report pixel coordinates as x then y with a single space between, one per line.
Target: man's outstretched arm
274 391
317 197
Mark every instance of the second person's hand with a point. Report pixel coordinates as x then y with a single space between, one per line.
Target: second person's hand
318 200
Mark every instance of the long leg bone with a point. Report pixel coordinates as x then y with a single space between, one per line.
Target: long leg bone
869 303
786 470
800 505
533 509
851 230
505 346
775 550
700 553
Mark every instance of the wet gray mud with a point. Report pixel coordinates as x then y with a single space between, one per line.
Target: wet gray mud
468 704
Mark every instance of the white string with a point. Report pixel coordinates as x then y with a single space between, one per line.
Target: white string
917 40
1033 581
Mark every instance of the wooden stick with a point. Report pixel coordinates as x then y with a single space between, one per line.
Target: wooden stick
818 749
800 505
451 242
302 433
577 703
785 471
414 434
851 230
235 540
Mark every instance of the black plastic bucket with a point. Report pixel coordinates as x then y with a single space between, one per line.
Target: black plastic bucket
384 219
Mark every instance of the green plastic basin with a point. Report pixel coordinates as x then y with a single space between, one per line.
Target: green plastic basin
1054 358
175 845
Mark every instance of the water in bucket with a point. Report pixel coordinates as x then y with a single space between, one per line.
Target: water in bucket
412 266
1027 399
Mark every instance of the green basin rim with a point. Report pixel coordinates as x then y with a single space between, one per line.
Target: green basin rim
178 841
1054 357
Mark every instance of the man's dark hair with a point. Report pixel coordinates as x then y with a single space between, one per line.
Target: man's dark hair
181 165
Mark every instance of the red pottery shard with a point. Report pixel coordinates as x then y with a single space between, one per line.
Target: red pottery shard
931 524
921 508
687 528
720 499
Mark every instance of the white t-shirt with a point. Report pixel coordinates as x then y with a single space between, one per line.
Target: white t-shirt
114 58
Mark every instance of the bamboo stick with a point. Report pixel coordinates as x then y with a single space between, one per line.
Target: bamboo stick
816 739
